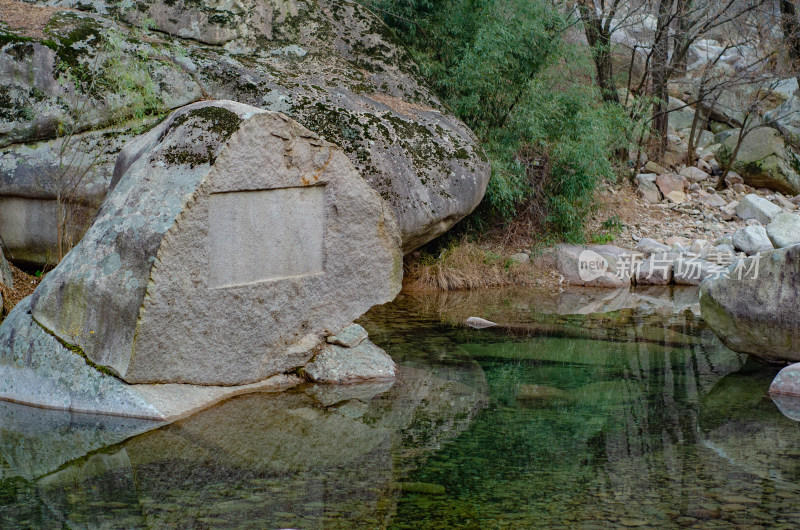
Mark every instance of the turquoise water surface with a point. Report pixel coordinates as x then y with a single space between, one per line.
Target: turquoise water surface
606 410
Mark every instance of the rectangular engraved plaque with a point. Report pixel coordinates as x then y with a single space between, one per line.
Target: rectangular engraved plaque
263 235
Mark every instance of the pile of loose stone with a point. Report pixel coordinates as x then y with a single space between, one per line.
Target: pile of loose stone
684 261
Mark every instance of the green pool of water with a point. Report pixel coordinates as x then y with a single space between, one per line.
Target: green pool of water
634 418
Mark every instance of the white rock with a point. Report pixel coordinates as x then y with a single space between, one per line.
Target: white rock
754 207
479 323
752 240
649 246
694 174
784 230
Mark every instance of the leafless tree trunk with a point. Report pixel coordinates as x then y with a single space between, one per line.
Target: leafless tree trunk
791 33
598 35
659 73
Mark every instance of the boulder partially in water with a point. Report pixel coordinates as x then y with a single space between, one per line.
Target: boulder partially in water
335 67
756 308
233 242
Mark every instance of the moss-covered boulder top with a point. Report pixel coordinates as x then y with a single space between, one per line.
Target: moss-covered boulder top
94 72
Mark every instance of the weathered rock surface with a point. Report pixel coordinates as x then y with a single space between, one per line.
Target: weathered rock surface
656 269
752 240
671 183
594 266
349 337
759 316
693 174
646 186
648 246
234 240
754 207
764 161
339 365
784 230
332 66
36 369
692 271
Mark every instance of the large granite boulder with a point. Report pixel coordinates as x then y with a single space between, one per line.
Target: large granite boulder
234 240
784 230
332 66
756 309
36 368
755 207
764 160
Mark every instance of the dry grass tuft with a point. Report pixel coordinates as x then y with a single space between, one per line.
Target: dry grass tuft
24 285
29 20
465 266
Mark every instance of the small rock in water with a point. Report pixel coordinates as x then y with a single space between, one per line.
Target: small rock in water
479 323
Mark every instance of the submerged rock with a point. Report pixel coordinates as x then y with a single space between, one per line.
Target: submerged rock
759 315
787 382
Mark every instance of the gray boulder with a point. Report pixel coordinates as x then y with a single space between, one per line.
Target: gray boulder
758 314
332 66
754 207
752 240
787 383
694 174
37 369
646 186
763 160
594 266
349 337
648 246
784 230
233 241
339 365
656 269
692 271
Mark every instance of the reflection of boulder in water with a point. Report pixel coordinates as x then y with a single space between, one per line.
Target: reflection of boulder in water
34 442
310 459
740 423
666 315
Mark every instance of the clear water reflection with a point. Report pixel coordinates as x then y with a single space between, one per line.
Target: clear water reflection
637 417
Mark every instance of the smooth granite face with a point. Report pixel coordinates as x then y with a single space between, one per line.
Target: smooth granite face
759 315
36 369
266 235
233 241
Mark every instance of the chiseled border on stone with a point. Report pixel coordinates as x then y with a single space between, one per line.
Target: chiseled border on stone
35 369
